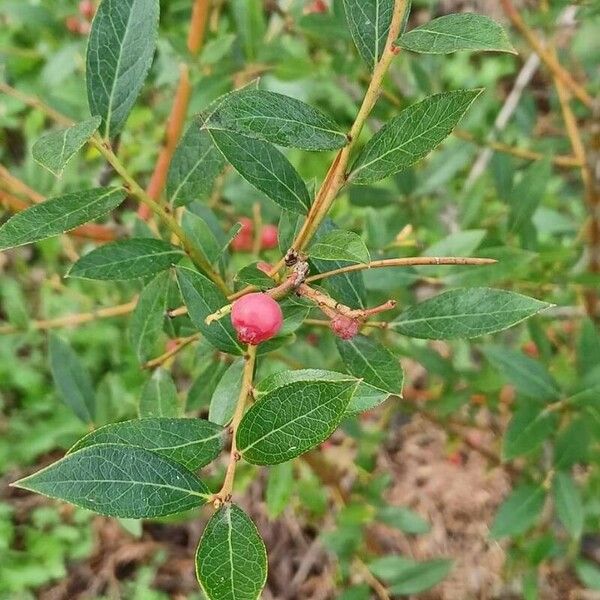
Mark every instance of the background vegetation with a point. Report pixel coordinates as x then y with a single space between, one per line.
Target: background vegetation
482 482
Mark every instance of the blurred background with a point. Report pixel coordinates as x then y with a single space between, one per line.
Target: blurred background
414 482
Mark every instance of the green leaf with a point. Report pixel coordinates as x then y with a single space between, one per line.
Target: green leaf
277 380
527 194
588 347
202 298
466 313
192 443
127 259
277 119
226 394
252 275
518 512
369 22
120 481
159 396
280 486
369 360
250 22
410 136
119 54
72 379
527 430
460 243
569 505
403 519
266 168
588 573
195 166
366 398
201 236
406 576
148 317
292 419
573 443
231 560
54 150
340 245
451 33
528 375
58 215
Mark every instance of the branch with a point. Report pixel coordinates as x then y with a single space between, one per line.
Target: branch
71 320
546 55
180 344
336 176
224 495
403 262
559 161
198 25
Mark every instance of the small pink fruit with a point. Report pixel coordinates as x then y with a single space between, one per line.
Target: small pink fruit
345 327
256 318
317 6
72 24
269 237
87 9
242 242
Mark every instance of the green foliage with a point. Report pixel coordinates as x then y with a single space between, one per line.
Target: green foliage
119 55
58 215
231 561
120 481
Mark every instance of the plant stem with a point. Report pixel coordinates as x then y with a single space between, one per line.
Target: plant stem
546 55
336 176
560 161
198 25
403 262
77 319
136 190
224 495
163 358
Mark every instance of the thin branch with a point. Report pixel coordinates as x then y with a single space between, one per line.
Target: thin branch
198 25
73 320
545 54
224 494
19 187
336 177
403 262
559 161
181 343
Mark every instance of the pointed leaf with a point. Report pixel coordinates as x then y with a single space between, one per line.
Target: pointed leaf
148 317
368 359
518 512
292 419
120 481
72 379
340 245
369 22
159 396
231 560
195 166
280 487
410 136
58 215
192 443
466 313
277 119
366 398
529 376
54 150
201 236
127 259
266 168
406 576
226 394
527 430
569 505
202 298
451 33
252 275
119 54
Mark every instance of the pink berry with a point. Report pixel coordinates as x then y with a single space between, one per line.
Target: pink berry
242 242
72 24
269 237
344 327
256 318
87 9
